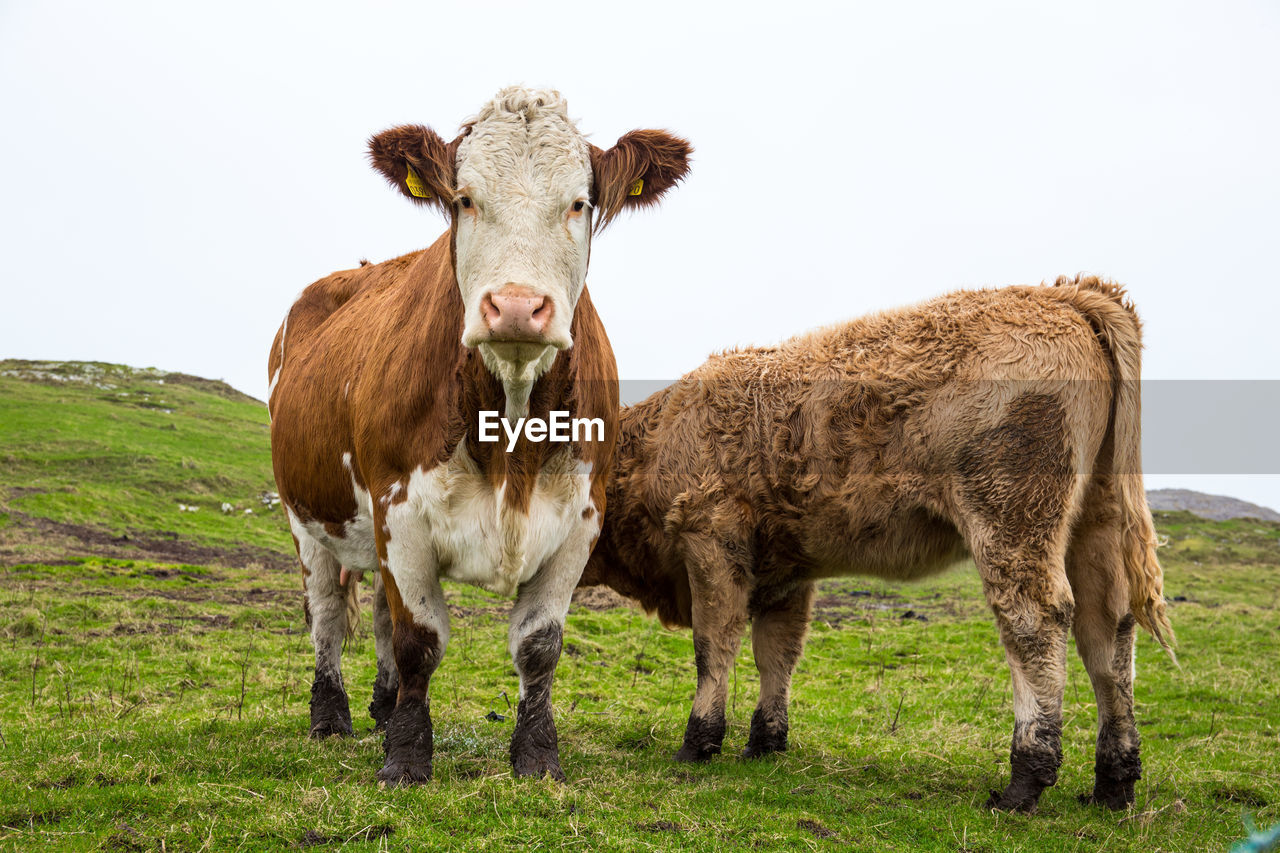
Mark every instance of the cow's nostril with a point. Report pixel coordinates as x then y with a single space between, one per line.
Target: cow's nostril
489 310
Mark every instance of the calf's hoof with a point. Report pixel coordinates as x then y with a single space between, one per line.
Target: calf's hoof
403 775
760 750
763 740
1114 776
407 747
331 728
537 767
1116 796
1015 798
1034 769
690 753
702 738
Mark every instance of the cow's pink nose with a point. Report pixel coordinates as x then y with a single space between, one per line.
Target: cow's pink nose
516 313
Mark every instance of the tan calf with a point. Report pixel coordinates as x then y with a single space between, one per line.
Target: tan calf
1002 424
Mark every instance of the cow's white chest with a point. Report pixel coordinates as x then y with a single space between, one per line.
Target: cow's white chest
455 522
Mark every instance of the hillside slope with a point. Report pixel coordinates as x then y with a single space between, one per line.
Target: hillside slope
107 459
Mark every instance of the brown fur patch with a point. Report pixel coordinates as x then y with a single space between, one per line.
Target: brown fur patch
1016 476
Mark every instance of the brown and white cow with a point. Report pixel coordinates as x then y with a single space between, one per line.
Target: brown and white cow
379 378
1002 424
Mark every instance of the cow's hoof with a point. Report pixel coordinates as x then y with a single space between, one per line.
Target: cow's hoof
404 775
380 709
531 766
692 754
1013 800
330 713
331 728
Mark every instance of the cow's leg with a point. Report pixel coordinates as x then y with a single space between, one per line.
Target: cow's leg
1104 631
326 603
387 682
777 638
719 616
419 635
534 640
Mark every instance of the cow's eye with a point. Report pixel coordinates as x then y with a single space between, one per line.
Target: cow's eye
465 202
579 205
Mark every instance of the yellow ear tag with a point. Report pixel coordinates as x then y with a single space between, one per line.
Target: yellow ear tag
417 188
636 187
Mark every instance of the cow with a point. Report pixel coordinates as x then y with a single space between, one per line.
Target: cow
380 377
998 424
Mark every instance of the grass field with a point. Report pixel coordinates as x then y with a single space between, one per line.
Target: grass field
156 702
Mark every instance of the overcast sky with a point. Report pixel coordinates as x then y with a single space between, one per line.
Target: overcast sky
171 175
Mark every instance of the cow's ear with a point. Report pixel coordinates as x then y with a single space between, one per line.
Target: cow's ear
636 172
416 161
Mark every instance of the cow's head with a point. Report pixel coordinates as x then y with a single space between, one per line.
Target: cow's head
525 191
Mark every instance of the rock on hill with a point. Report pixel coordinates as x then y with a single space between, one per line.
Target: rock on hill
107 377
1215 507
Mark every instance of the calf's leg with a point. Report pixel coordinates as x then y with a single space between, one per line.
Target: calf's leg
326 604
1016 490
777 638
1033 606
719 616
1104 631
419 635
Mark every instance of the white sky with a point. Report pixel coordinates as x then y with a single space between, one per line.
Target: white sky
171 175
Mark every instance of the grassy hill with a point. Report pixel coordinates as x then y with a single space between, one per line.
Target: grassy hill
105 452
155 670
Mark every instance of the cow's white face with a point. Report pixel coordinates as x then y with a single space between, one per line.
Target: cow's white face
523 187
522 219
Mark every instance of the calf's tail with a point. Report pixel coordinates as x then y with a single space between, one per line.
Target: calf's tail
1118 328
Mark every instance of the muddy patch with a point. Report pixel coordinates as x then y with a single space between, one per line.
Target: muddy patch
30 539
838 606
24 819
600 598
818 830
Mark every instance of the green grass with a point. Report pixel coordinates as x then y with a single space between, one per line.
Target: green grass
148 705
144 701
